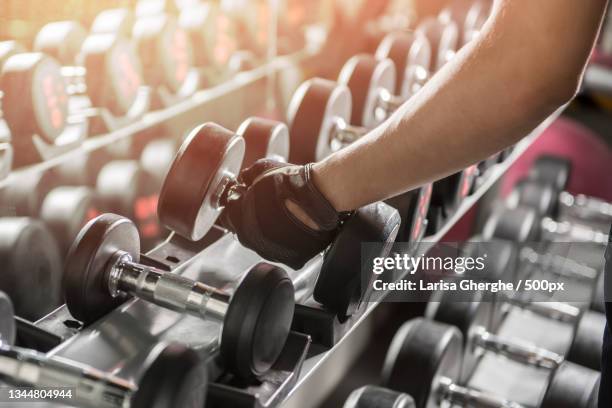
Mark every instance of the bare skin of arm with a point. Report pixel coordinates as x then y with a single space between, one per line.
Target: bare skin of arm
527 62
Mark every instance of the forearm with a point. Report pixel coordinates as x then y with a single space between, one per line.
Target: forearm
493 93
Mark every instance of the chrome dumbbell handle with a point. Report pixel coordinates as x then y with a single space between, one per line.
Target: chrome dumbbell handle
89 387
346 134
165 289
75 79
457 395
559 311
524 353
586 207
575 232
389 102
558 265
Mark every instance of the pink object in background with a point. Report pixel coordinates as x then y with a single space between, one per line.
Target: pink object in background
591 159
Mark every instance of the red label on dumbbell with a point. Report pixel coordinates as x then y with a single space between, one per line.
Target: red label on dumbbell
54 103
145 212
126 74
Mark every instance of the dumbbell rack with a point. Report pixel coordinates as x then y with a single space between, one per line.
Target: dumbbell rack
121 339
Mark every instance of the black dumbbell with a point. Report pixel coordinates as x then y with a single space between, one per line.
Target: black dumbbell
424 361
371 396
106 67
202 178
166 53
173 375
411 54
469 15
124 187
264 138
473 314
102 269
31 266
63 209
443 37
523 224
39 121
554 172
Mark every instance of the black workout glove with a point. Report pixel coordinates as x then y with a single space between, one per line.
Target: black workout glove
261 220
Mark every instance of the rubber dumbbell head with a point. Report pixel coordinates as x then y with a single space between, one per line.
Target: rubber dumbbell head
62 40
264 138
443 38
372 85
411 54
319 115
31 266
102 270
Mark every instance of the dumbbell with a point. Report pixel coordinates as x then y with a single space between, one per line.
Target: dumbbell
203 177
411 54
473 315
469 15
173 375
443 38
124 187
103 66
319 124
554 172
552 202
522 224
9 48
31 266
35 107
63 209
371 396
424 361
102 270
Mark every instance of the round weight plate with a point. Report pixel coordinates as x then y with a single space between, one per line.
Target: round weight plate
552 170
264 138
165 51
85 280
35 100
7 320
367 78
443 38
200 22
588 340
411 54
31 267
8 49
117 187
176 377
570 386
371 396
114 21
83 168
113 72
420 354
314 112
345 279
518 225
470 312
62 40
258 321
532 194
457 12
24 198
65 211
156 158
189 195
